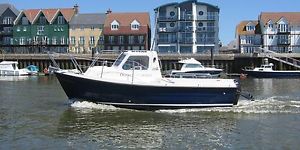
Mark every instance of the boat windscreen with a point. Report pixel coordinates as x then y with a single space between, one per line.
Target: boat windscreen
119 60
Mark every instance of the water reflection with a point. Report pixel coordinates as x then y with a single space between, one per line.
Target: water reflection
132 129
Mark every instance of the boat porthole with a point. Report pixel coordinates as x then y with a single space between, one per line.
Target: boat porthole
129 101
224 93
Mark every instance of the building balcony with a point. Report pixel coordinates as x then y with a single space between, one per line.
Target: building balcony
167 18
206 29
166 41
283 42
185 29
205 41
186 17
185 40
208 17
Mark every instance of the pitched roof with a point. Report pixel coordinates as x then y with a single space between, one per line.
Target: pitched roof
68 13
88 19
50 14
125 20
31 14
4 7
292 17
241 28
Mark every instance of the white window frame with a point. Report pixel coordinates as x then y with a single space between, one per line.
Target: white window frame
115 25
135 25
92 40
60 20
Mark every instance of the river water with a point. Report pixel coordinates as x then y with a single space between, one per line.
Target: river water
36 114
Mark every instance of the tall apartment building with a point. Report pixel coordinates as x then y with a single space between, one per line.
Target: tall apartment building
127 31
8 13
186 27
277 31
86 33
39 30
248 34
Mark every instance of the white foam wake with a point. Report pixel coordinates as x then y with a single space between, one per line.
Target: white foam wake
268 105
90 105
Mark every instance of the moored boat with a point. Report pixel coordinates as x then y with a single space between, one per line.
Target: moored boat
10 68
135 81
266 71
191 68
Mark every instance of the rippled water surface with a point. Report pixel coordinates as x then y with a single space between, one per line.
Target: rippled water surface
36 114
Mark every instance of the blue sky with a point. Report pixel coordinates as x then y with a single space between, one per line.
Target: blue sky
231 11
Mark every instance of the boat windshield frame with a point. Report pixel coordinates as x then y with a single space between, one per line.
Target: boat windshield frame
119 60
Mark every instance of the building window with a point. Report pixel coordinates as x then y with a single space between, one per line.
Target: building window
121 39
92 40
200 13
22 41
200 24
73 40
40 30
81 28
60 20
81 40
271 37
131 39
115 25
7 20
283 28
135 27
54 40
24 29
92 28
270 25
25 21
62 41
172 13
73 27
43 20
111 39
250 28
141 39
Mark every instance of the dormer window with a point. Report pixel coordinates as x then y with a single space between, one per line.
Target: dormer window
115 25
135 25
270 25
250 28
283 28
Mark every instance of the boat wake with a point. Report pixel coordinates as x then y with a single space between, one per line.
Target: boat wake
272 105
84 105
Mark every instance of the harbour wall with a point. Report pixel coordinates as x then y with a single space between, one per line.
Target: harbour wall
231 63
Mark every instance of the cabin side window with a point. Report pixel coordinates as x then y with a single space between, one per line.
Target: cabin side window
192 66
137 62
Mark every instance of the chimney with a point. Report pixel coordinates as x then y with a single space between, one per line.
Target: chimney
76 9
108 11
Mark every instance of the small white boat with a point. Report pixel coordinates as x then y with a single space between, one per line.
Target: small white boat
135 81
191 68
266 71
10 68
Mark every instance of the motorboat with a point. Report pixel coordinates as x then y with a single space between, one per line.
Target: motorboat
10 68
266 71
134 81
191 68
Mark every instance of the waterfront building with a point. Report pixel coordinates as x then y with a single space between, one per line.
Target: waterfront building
186 27
281 31
40 30
8 14
86 33
275 31
127 31
248 35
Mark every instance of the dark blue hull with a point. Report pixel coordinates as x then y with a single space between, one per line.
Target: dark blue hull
273 74
146 97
